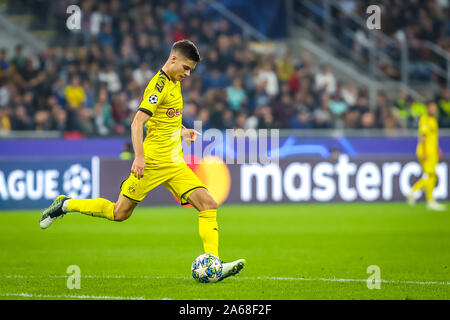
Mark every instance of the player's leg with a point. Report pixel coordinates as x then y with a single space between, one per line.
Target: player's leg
132 191
429 169
202 200
430 184
188 188
419 185
98 207
123 208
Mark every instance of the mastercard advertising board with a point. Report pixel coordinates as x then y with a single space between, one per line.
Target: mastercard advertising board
296 180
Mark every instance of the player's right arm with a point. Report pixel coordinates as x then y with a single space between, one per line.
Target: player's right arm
153 96
136 138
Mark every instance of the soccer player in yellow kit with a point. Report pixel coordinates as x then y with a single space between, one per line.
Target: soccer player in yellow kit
159 159
428 154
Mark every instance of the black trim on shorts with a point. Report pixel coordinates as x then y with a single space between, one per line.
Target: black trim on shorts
120 188
181 198
130 198
146 111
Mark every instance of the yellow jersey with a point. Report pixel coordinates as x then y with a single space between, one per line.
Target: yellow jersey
162 100
75 95
428 127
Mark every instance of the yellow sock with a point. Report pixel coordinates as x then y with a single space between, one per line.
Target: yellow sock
429 186
98 207
209 231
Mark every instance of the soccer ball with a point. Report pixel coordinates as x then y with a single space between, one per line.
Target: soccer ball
206 268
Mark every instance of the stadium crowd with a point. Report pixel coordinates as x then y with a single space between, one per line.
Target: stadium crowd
415 22
95 87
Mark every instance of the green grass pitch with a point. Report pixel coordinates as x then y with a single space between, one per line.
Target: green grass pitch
295 251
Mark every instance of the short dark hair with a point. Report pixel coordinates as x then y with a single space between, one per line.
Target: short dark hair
188 49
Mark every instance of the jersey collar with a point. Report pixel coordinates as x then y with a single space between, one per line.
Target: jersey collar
161 70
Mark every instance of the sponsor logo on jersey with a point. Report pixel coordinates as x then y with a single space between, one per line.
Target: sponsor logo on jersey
171 112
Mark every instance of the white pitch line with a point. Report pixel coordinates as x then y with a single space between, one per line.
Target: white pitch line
239 277
68 296
349 280
19 276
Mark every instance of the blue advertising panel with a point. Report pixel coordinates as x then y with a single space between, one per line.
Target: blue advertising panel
35 183
288 146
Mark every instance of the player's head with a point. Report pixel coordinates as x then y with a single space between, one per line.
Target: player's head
432 108
183 58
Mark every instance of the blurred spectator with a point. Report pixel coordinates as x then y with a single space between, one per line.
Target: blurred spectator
349 93
203 116
321 115
236 95
325 80
5 95
4 63
334 154
265 118
5 119
99 18
42 120
170 14
89 94
216 115
120 113
74 93
228 120
143 74
268 78
60 117
21 120
86 123
190 114
443 101
301 121
18 60
282 111
402 108
285 67
337 107
368 120
111 78
106 37
241 121
102 114
261 98
127 152
213 80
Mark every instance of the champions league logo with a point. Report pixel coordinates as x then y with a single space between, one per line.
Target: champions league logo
77 182
153 99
